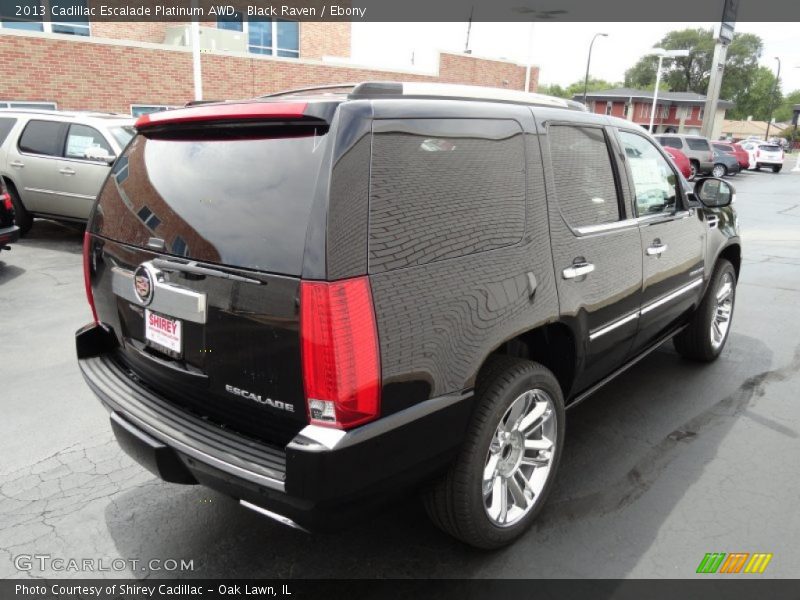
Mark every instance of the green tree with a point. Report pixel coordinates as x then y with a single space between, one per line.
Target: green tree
691 73
754 98
784 111
576 89
744 82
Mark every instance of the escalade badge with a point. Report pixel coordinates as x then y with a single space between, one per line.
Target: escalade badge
143 284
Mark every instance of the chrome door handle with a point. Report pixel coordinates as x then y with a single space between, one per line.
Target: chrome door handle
656 249
578 269
67 171
17 164
713 221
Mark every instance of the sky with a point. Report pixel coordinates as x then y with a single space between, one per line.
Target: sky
559 49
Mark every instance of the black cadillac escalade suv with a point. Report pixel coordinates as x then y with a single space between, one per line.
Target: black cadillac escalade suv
317 300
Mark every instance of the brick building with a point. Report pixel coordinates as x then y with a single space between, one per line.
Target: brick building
137 67
676 112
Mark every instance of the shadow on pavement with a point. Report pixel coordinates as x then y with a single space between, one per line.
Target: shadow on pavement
8 271
52 235
618 445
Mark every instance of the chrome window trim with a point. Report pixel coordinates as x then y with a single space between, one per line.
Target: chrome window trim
626 223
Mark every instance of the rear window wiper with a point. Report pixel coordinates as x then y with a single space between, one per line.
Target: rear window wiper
195 269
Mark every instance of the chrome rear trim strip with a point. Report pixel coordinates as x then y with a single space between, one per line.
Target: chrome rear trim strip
671 296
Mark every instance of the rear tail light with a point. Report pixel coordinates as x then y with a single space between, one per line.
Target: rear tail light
87 271
5 200
341 358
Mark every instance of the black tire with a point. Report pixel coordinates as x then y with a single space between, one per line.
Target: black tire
22 217
455 503
757 167
776 168
719 168
695 169
695 341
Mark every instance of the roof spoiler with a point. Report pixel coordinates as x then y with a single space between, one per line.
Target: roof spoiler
227 112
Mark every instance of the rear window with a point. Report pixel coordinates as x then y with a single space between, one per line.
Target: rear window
697 143
42 137
444 188
770 148
723 147
6 125
242 198
671 142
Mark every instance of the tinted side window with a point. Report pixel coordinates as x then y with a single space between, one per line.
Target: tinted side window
83 137
584 178
41 137
5 128
672 142
444 188
697 143
654 181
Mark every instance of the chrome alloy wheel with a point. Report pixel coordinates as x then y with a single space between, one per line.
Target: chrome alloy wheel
718 171
721 319
519 458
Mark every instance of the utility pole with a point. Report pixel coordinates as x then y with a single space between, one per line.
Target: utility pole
724 36
469 29
714 86
530 58
772 99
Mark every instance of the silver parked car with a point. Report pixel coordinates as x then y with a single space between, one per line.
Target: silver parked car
696 148
54 163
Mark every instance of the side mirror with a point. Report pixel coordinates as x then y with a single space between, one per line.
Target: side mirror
99 154
713 192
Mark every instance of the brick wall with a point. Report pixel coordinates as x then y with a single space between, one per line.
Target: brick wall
86 74
324 39
316 39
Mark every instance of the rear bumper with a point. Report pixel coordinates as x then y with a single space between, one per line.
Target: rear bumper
9 234
323 479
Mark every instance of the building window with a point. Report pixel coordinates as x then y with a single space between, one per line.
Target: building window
234 22
35 15
278 37
137 110
701 112
644 111
179 246
665 111
608 108
24 104
149 218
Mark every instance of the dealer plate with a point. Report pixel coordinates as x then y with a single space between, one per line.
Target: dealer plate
163 333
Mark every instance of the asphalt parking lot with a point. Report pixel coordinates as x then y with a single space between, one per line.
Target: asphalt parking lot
669 462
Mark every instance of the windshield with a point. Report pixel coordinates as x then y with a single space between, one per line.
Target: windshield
123 134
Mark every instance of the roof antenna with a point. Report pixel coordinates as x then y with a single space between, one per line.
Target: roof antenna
469 28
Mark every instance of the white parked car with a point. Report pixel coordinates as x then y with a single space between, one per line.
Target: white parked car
764 154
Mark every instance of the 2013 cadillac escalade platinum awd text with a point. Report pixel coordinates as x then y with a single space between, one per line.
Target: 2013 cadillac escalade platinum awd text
319 300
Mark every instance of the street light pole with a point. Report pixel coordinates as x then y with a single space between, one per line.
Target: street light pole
772 99
662 54
588 62
655 93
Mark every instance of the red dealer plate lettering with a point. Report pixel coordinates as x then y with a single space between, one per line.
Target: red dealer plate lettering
163 333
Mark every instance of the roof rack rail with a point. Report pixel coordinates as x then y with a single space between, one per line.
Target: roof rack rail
316 88
384 89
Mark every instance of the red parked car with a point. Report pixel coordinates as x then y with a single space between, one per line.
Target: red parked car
681 161
735 149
